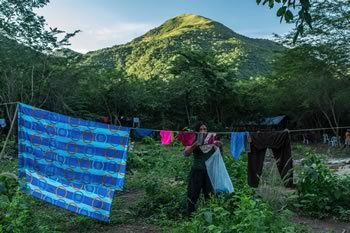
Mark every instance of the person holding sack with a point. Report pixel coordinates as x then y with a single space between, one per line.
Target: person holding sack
202 148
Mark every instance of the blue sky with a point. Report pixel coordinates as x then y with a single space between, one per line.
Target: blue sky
105 23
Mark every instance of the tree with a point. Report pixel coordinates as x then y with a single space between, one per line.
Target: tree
317 68
20 23
24 68
285 11
306 84
329 38
204 88
115 92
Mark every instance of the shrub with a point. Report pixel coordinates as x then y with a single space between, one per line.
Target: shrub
239 212
321 193
16 214
148 140
165 198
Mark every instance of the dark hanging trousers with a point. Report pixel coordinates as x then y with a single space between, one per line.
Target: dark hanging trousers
279 142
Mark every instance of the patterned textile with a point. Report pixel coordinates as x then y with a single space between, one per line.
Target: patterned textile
71 163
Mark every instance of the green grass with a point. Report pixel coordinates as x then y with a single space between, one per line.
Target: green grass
158 175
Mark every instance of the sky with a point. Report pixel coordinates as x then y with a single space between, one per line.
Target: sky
105 23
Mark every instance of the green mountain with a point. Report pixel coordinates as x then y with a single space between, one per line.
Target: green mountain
65 52
154 53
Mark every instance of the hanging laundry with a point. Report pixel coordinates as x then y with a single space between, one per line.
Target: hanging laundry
105 119
209 138
75 164
279 142
218 174
186 138
141 133
166 137
135 122
206 141
2 123
238 140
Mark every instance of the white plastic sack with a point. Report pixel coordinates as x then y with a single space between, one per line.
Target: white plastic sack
218 174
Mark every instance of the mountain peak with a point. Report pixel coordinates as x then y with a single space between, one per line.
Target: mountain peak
181 24
157 53
189 19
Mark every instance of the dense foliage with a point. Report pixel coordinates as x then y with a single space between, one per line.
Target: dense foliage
320 192
19 22
186 69
286 12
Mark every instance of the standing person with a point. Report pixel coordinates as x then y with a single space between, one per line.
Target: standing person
202 148
347 138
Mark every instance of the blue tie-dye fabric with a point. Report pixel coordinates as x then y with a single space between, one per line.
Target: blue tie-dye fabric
71 163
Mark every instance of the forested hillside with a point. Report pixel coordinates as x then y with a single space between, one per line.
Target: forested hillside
188 68
154 54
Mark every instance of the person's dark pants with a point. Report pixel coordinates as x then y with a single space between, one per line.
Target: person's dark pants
199 180
279 142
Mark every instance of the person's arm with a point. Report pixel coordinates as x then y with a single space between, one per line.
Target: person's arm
220 145
189 149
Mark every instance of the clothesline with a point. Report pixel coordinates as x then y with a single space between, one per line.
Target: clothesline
318 129
177 131
297 130
290 131
9 103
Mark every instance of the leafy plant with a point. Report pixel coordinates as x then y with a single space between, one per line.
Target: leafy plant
148 140
320 192
239 212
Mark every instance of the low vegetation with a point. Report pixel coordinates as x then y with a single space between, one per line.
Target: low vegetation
159 175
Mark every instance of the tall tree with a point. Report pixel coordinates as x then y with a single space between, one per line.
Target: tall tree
329 38
317 69
19 22
306 83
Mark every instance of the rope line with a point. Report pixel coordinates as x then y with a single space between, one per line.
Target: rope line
177 131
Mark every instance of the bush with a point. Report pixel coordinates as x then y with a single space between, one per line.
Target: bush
16 214
165 199
320 192
11 148
239 212
148 140
16 209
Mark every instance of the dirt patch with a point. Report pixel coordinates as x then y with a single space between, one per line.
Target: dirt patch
325 225
132 228
129 198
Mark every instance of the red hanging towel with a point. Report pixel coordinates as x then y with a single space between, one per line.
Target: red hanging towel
105 119
186 138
